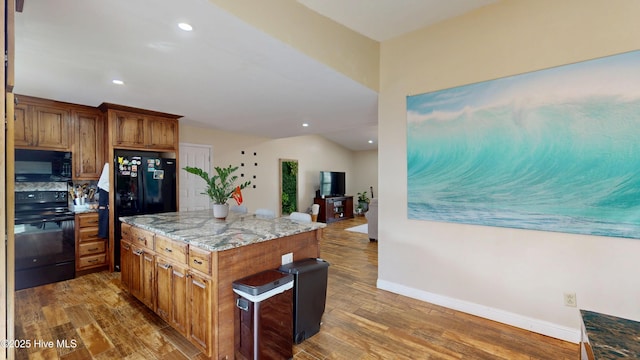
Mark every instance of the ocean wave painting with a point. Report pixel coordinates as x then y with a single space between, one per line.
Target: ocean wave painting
554 150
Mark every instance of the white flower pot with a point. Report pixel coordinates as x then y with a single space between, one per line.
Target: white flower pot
220 211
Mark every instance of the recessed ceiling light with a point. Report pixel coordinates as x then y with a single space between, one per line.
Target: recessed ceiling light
370 141
185 26
118 82
305 125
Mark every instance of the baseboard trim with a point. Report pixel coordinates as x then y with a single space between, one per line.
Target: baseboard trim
505 317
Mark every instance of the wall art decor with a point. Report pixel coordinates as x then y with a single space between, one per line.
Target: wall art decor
553 150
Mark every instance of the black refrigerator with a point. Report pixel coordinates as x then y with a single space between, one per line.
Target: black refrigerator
145 183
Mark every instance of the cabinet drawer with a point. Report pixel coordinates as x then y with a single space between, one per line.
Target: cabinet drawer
200 260
93 260
88 234
87 220
142 237
89 248
171 249
125 231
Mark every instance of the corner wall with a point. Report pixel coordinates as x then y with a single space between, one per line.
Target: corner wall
509 275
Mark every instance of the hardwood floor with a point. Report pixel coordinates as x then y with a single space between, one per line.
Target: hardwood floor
360 321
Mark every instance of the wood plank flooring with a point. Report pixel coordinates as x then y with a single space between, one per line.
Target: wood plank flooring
100 321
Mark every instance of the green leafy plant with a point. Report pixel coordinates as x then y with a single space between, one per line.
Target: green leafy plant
362 197
289 187
220 186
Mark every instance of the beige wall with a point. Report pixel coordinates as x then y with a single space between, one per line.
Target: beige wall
514 276
319 37
365 172
314 153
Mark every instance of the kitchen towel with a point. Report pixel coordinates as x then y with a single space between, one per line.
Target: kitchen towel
103 213
103 183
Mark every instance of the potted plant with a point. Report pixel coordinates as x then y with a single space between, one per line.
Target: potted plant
220 187
363 202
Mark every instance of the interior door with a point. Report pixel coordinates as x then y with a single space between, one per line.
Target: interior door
191 186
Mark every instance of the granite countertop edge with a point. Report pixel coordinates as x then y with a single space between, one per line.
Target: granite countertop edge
219 235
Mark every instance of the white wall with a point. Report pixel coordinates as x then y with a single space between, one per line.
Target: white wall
514 276
365 170
314 154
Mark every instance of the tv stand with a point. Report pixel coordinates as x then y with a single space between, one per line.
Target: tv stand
334 208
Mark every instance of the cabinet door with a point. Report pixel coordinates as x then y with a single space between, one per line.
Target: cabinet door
135 282
180 305
126 258
129 130
24 126
200 314
161 133
171 295
163 290
52 127
148 279
88 154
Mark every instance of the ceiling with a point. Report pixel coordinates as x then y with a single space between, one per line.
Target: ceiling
224 74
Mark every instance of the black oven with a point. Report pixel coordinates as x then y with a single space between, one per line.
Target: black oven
44 238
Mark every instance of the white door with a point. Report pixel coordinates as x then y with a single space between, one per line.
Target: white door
192 186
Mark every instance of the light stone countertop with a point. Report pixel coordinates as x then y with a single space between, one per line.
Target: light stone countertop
201 229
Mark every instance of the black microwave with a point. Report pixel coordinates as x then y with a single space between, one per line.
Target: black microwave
42 165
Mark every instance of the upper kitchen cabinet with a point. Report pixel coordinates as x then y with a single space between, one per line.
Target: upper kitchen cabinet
89 146
41 124
131 128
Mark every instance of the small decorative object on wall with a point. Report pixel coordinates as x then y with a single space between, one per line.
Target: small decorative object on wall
553 150
288 186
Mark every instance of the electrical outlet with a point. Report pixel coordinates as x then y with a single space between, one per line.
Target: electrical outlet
570 299
287 258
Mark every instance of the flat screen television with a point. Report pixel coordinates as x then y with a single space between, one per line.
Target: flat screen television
332 183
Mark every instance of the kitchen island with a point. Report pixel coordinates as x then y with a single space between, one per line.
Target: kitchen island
182 265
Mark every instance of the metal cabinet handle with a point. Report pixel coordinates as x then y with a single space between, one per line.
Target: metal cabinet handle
168 250
197 261
93 249
165 266
138 252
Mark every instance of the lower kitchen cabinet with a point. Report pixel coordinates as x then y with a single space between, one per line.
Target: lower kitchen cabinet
171 299
200 322
91 250
162 280
126 259
148 273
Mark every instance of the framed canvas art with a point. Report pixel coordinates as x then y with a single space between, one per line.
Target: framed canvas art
554 150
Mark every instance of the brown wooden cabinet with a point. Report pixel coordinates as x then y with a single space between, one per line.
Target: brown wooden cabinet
200 320
148 273
135 271
42 124
126 262
89 145
334 208
161 133
193 286
155 270
142 275
131 128
128 129
91 250
171 285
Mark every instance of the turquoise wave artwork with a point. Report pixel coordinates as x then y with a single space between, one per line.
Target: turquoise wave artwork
552 150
